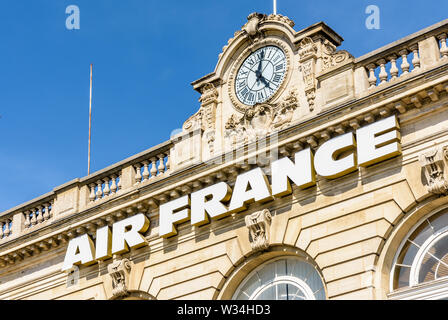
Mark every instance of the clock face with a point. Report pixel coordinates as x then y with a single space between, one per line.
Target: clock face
260 75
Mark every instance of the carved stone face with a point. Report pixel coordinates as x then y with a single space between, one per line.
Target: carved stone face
260 75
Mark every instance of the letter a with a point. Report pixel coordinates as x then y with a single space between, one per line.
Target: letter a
74 18
373 21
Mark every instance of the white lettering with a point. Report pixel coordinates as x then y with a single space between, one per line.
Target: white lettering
172 213
126 233
301 173
326 159
208 202
80 251
378 141
259 189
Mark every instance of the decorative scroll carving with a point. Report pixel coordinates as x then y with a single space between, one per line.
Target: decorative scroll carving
260 120
253 20
434 163
307 53
119 271
258 224
331 57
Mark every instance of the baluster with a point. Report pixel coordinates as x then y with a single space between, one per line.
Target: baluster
167 165
416 58
153 167
393 67
161 166
113 187
92 192
383 73
50 208
106 190
46 213
99 191
40 217
1 229
443 47
7 231
33 217
145 170
27 219
372 79
119 182
138 175
404 64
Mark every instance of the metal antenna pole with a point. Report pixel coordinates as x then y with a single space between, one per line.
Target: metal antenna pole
275 6
90 118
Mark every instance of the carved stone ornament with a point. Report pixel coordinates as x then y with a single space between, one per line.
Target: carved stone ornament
253 20
307 53
434 163
206 116
119 271
259 224
260 120
331 57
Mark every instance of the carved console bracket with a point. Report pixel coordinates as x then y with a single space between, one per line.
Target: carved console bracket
434 164
119 271
258 224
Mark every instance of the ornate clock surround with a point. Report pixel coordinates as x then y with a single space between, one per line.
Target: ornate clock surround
239 106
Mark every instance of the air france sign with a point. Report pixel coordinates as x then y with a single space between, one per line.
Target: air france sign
336 157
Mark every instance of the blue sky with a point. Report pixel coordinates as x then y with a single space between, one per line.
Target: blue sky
145 55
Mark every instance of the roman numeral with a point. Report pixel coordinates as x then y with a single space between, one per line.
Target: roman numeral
244 91
277 77
260 96
251 97
277 57
279 67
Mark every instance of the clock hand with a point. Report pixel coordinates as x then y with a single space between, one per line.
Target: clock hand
265 82
258 73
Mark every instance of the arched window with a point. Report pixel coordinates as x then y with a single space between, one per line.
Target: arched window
422 258
282 279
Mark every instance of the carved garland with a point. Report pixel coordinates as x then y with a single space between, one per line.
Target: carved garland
260 120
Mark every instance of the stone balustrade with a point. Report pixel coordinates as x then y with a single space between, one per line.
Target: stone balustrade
38 215
152 167
395 65
104 187
407 56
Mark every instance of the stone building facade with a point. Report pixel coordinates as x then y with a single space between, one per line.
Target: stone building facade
356 204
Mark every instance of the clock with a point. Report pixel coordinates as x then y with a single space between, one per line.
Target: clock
260 75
